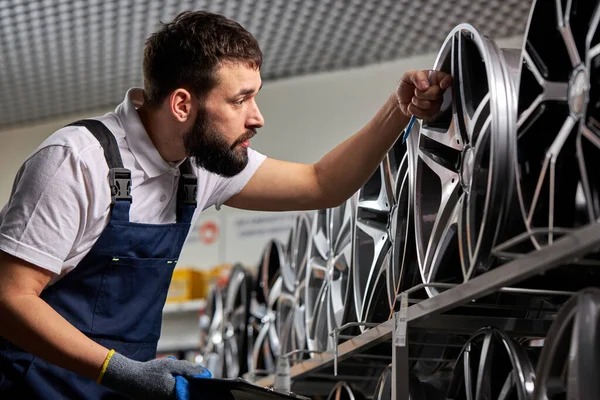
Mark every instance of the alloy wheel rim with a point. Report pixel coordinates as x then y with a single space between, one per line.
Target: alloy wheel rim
558 135
291 308
266 346
328 273
567 367
492 366
380 237
464 161
213 352
235 317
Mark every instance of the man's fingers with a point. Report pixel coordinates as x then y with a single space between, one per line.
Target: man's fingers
422 104
428 105
419 80
424 111
433 93
417 111
446 81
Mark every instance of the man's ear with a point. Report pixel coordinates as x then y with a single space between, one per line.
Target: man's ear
180 104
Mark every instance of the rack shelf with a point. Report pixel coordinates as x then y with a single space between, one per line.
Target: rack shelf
427 314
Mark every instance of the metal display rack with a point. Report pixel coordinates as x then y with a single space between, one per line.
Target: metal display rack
428 315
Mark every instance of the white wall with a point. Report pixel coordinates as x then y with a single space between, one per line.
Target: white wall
305 117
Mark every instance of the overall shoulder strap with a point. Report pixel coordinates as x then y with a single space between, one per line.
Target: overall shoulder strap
119 177
187 192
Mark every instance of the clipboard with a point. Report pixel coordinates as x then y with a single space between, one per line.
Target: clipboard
235 389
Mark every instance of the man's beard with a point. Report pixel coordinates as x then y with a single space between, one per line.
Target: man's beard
210 150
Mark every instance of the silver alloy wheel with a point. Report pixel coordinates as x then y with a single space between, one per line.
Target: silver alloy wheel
291 307
266 347
492 366
235 320
559 119
263 343
328 273
465 161
381 235
272 260
214 347
568 364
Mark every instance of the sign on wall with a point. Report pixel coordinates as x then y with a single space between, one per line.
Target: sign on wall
248 233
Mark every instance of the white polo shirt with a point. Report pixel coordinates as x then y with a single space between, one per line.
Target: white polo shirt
60 200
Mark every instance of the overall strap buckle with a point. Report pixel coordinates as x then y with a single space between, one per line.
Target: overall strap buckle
120 184
188 189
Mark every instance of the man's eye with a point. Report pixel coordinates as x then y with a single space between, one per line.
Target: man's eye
239 102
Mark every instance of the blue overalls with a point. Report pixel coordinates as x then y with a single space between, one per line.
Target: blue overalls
115 295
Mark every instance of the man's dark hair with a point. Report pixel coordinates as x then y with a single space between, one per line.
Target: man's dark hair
186 53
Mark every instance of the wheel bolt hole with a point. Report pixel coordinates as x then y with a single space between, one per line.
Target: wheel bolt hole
452 180
458 141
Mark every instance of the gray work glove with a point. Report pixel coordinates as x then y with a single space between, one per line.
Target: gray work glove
152 380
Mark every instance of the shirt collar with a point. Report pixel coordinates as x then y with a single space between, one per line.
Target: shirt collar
137 138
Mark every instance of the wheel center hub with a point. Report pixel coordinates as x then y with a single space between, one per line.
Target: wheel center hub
578 91
330 267
466 170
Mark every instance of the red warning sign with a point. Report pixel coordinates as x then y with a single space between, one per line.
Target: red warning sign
209 232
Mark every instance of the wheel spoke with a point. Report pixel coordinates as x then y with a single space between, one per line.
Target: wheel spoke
318 326
343 239
506 387
585 183
320 243
567 34
318 268
447 176
448 139
337 300
444 230
467 373
372 294
484 382
460 69
481 120
594 49
551 156
366 277
476 230
445 214
551 91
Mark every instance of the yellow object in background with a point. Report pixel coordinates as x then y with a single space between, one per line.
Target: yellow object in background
181 285
200 283
189 283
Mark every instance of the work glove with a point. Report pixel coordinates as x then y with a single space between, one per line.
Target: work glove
151 380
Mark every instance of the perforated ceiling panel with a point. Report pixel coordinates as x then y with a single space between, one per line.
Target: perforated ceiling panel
64 57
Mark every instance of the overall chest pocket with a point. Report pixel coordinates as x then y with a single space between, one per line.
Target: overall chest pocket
131 297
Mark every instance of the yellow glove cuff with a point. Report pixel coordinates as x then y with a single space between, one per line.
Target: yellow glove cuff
105 365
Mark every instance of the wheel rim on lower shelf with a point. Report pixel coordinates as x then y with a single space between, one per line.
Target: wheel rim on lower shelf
568 364
235 318
558 143
264 342
213 348
273 257
328 274
465 161
492 366
291 307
